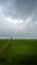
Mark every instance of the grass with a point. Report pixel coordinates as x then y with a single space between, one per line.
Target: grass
18 52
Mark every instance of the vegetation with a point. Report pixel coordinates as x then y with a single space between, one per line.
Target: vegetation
18 52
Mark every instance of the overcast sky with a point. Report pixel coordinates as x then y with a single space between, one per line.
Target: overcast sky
18 18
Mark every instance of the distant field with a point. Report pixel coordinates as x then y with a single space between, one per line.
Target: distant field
18 52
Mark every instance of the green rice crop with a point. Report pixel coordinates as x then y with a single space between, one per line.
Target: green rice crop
18 52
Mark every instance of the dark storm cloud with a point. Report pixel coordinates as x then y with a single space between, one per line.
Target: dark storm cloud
19 8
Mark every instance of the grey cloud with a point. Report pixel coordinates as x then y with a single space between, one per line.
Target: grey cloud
18 9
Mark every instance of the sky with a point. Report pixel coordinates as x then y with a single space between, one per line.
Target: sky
18 19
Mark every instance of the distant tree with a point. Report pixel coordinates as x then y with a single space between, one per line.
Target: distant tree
11 38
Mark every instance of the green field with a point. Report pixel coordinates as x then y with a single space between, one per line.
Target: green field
18 52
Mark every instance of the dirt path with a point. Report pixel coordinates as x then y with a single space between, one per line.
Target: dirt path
5 46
